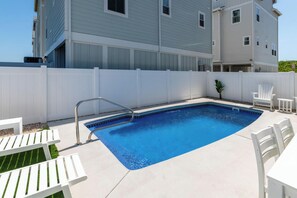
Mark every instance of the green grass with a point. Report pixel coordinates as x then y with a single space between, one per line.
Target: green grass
19 160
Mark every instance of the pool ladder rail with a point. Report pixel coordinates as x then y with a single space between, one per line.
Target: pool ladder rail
78 142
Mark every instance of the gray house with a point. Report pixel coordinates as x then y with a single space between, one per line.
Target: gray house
125 34
245 35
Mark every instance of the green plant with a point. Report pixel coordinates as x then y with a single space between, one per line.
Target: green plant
219 87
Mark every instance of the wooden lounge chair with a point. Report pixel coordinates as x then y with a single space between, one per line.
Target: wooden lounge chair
264 96
25 142
43 179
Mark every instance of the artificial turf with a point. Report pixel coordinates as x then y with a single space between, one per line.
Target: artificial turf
27 158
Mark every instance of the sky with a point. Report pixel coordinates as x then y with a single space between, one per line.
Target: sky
16 17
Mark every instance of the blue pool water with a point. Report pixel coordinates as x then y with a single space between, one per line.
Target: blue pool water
160 136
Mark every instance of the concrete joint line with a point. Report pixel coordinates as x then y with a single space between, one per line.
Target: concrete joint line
117 184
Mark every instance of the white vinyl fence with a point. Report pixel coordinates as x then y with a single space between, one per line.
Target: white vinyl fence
46 94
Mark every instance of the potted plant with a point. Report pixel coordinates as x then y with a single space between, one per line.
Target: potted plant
219 87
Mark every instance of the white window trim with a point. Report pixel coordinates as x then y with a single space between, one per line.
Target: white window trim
244 40
106 10
258 10
202 13
239 16
167 15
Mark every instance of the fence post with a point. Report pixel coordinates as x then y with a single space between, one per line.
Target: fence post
191 76
240 73
138 86
207 73
168 86
44 92
96 89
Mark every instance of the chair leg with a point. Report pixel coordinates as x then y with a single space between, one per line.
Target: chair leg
46 152
66 191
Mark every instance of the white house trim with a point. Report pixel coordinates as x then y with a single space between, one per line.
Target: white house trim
92 39
58 42
237 6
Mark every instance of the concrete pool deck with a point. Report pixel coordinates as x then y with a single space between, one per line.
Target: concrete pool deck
226 168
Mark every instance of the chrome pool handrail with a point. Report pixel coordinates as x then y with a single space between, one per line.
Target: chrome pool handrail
78 142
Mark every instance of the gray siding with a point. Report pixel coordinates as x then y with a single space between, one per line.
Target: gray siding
88 17
118 58
181 30
87 56
169 61
54 14
188 63
145 60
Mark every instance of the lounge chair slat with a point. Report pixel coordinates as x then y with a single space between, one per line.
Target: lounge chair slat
37 138
10 142
52 173
13 180
43 136
49 135
4 143
61 171
21 191
78 166
3 181
56 135
31 138
43 181
18 141
25 140
70 169
33 179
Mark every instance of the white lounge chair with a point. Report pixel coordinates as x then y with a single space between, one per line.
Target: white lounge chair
15 123
25 142
264 95
43 179
266 147
284 133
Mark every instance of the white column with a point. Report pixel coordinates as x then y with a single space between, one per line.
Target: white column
138 87
43 94
168 86
96 89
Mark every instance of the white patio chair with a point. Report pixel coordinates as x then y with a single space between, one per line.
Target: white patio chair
264 95
25 142
284 133
266 147
43 179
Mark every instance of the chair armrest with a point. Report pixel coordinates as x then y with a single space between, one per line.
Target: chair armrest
15 123
255 94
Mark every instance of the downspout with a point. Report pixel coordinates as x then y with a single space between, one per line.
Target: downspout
252 37
159 36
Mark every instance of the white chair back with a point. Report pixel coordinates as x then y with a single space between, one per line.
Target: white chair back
284 133
266 147
265 91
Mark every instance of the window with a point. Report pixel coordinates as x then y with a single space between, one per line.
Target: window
273 49
258 41
258 14
166 7
213 42
116 6
201 19
236 16
246 40
266 44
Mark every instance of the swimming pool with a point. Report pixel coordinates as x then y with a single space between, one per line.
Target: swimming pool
159 136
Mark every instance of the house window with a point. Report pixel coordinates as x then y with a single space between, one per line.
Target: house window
258 14
266 44
246 40
118 6
201 19
213 42
273 49
258 41
236 16
166 7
